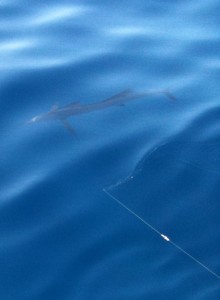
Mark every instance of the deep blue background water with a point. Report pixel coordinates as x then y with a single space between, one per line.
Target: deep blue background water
61 237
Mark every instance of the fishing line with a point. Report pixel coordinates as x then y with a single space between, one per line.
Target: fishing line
165 237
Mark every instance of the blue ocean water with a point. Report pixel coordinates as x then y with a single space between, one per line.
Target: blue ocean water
61 237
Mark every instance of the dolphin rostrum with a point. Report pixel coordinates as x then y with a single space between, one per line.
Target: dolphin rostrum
76 108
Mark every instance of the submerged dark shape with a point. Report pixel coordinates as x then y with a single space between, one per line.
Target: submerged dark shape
61 114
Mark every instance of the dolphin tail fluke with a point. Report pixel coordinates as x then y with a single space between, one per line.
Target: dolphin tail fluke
68 126
166 93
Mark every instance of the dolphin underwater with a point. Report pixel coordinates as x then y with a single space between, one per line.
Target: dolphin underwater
76 108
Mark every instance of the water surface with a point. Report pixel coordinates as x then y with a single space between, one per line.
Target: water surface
61 236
